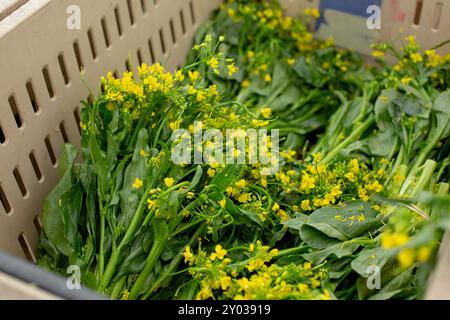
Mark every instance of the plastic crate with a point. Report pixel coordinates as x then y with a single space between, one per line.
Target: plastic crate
41 87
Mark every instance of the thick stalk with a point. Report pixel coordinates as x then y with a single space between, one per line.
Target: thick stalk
117 289
101 254
431 143
152 258
352 137
174 264
116 254
425 177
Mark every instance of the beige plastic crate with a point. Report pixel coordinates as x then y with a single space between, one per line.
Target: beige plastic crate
41 87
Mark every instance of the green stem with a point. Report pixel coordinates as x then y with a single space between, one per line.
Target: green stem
101 258
152 258
116 254
287 252
175 262
425 177
431 143
352 137
117 289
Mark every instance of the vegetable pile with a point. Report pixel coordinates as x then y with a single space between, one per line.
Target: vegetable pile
356 209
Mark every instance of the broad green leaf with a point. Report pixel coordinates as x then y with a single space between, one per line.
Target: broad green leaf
371 257
395 286
297 222
315 238
352 220
339 251
53 222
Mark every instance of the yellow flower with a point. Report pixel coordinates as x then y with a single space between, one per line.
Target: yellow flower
290 61
192 90
241 184
317 157
220 252
179 76
398 178
194 75
326 295
406 258
318 202
378 54
315 13
175 125
138 183
267 78
350 176
190 195
393 240
430 53
250 54
275 207
151 204
142 70
232 69
354 166
308 182
169 182
411 39
283 215
266 112
259 123
315 283
287 22
142 153
125 295
406 80
223 203
200 96
244 198
204 294
83 127
245 84
251 248
211 172
424 254
362 193
188 256
305 205
416 57
214 63
307 265
225 283
231 12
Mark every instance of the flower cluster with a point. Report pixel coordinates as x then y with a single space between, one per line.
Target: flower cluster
251 274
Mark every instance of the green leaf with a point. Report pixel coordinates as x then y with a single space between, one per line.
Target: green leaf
316 239
339 251
100 162
137 169
168 205
70 207
395 286
351 220
297 222
52 216
370 257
